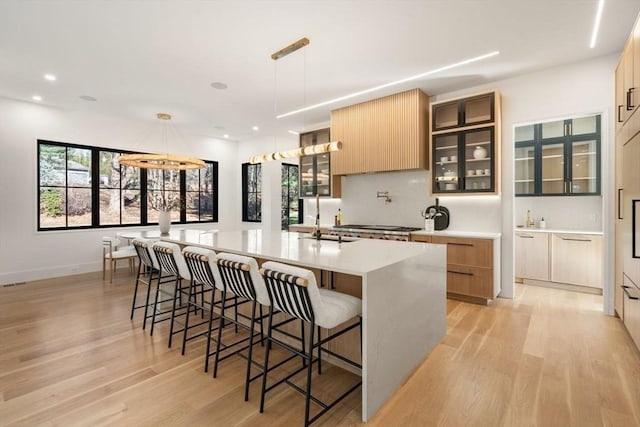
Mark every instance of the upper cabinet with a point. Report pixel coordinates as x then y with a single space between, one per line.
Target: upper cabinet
560 158
385 134
465 145
315 170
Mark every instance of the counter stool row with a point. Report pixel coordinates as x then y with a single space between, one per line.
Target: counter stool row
199 275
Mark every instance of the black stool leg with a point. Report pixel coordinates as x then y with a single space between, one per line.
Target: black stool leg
266 359
220 327
251 330
309 370
155 304
319 352
135 290
186 319
177 295
206 357
146 305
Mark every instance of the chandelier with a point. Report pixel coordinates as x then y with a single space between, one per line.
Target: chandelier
160 161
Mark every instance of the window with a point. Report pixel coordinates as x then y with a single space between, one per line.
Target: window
559 158
251 192
291 206
86 187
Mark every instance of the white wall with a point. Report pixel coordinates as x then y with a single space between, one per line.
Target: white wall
574 89
26 254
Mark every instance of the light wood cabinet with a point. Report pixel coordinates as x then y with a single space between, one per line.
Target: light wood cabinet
465 145
385 134
420 238
631 317
470 274
532 255
577 259
627 267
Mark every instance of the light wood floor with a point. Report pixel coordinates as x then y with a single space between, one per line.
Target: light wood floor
69 355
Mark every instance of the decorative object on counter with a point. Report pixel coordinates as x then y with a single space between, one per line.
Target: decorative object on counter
164 221
439 214
529 220
480 153
339 217
161 161
428 215
385 194
543 224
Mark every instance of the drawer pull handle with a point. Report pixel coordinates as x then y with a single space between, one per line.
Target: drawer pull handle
630 106
460 244
619 200
575 240
460 272
525 236
620 115
626 291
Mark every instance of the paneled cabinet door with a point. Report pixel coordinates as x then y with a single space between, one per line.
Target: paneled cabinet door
577 259
631 194
532 255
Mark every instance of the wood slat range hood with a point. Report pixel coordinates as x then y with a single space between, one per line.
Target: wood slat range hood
384 134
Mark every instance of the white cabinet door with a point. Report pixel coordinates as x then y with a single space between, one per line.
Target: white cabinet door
577 259
532 255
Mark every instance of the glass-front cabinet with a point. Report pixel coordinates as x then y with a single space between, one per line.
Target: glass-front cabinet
315 170
464 145
558 158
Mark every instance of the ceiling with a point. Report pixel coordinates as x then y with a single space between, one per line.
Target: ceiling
138 58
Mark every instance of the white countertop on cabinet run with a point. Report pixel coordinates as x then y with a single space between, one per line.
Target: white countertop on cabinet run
452 233
551 230
403 293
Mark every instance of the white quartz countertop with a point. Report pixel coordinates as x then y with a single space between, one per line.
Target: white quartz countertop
357 257
452 233
552 230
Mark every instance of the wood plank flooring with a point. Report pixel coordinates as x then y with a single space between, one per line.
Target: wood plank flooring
69 355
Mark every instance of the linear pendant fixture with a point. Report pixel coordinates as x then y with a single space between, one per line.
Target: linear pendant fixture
386 85
298 152
161 161
290 49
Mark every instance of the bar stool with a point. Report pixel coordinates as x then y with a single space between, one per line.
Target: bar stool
238 277
148 270
113 250
294 291
172 268
201 264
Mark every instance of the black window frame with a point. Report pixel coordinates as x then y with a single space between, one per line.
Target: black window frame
246 192
95 190
567 141
285 225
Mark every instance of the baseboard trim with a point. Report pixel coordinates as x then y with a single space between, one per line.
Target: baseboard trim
563 286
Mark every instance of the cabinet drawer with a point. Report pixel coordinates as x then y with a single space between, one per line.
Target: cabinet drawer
467 252
577 259
475 282
631 310
420 238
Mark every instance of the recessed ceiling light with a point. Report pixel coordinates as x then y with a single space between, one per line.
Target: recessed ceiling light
226 135
219 85
255 128
386 85
293 132
88 98
36 98
596 24
219 127
50 77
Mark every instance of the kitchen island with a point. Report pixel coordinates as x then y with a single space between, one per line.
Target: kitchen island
403 293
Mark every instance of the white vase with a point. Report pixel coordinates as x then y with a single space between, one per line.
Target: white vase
479 152
165 221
